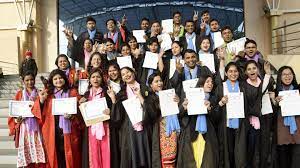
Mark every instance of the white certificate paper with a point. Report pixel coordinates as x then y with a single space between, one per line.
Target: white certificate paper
139 35
64 106
151 60
288 93
20 108
236 46
166 43
266 107
290 106
235 105
208 60
167 104
124 61
187 84
218 40
173 67
167 26
133 109
92 111
83 86
195 98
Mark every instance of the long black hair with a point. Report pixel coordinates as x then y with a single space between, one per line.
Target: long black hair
62 56
102 84
103 61
279 82
63 75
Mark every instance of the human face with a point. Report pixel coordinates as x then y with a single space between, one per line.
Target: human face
214 26
113 73
87 45
155 28
144 25
58 81
190 60
252 71
133 44
232 73
157 84
153 47
63 63
91 25
227 35
177 19
96 80
189 27
250 49
287 77
208 85
110 25
29 82
127 76
96 61
176 49
205 44
205 17
109 47
125 51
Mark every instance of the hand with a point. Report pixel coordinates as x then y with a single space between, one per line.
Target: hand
82 100
68 32
185 103
19 120
195 16
202 25
68 116
161 53
95 47
242 54
43 95
278 99
111 94
267 67
123 20
106 111
223 101
137 91
207 104
176 99
221 53
101 48
179 67
272 95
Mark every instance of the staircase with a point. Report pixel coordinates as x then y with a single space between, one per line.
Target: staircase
9 85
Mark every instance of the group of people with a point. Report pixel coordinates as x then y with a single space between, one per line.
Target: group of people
180 140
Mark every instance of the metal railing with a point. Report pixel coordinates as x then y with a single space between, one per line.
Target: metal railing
286 39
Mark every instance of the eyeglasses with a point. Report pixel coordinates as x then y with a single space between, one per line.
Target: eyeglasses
285 75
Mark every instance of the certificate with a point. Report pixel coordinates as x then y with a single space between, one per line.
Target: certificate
195 98
92 111
218 40
166 43
290 106
288 93
235 105
83 86
64 106
266 107
208 60
151 60
167 104
20 108
133 109
139 35
236 46
167 26
173 67
124 61
187 84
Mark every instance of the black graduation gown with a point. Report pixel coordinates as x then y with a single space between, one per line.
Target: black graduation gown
230 141
134 147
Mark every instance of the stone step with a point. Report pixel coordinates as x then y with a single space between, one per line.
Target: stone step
6 138
4 132
7 161
7 145
8 152
3 122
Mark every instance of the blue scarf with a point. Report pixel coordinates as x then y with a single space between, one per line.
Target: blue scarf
172 123
201 125
207 31
233 122
92 34
188 73
190 44
290 121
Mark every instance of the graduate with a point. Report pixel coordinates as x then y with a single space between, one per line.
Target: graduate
198 143
134 145
98 134
137 50
126 51
62 62
190 40
288 132
26 131
163 130
232 133
61 134
99 61
111 51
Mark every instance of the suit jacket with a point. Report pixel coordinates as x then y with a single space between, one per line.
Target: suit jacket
184 43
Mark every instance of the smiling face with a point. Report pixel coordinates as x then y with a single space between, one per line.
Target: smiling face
29 82
133 44
127 76
176 49
96 80
87 45
58 81
177 18
190 60
189 27
232 73
155 28
227 35
125 51
96 61
214 26
110 25
205 17
205 45
62 63
113 73
157 84
109 46
250 49
287 77
252 71
144 25
208 85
